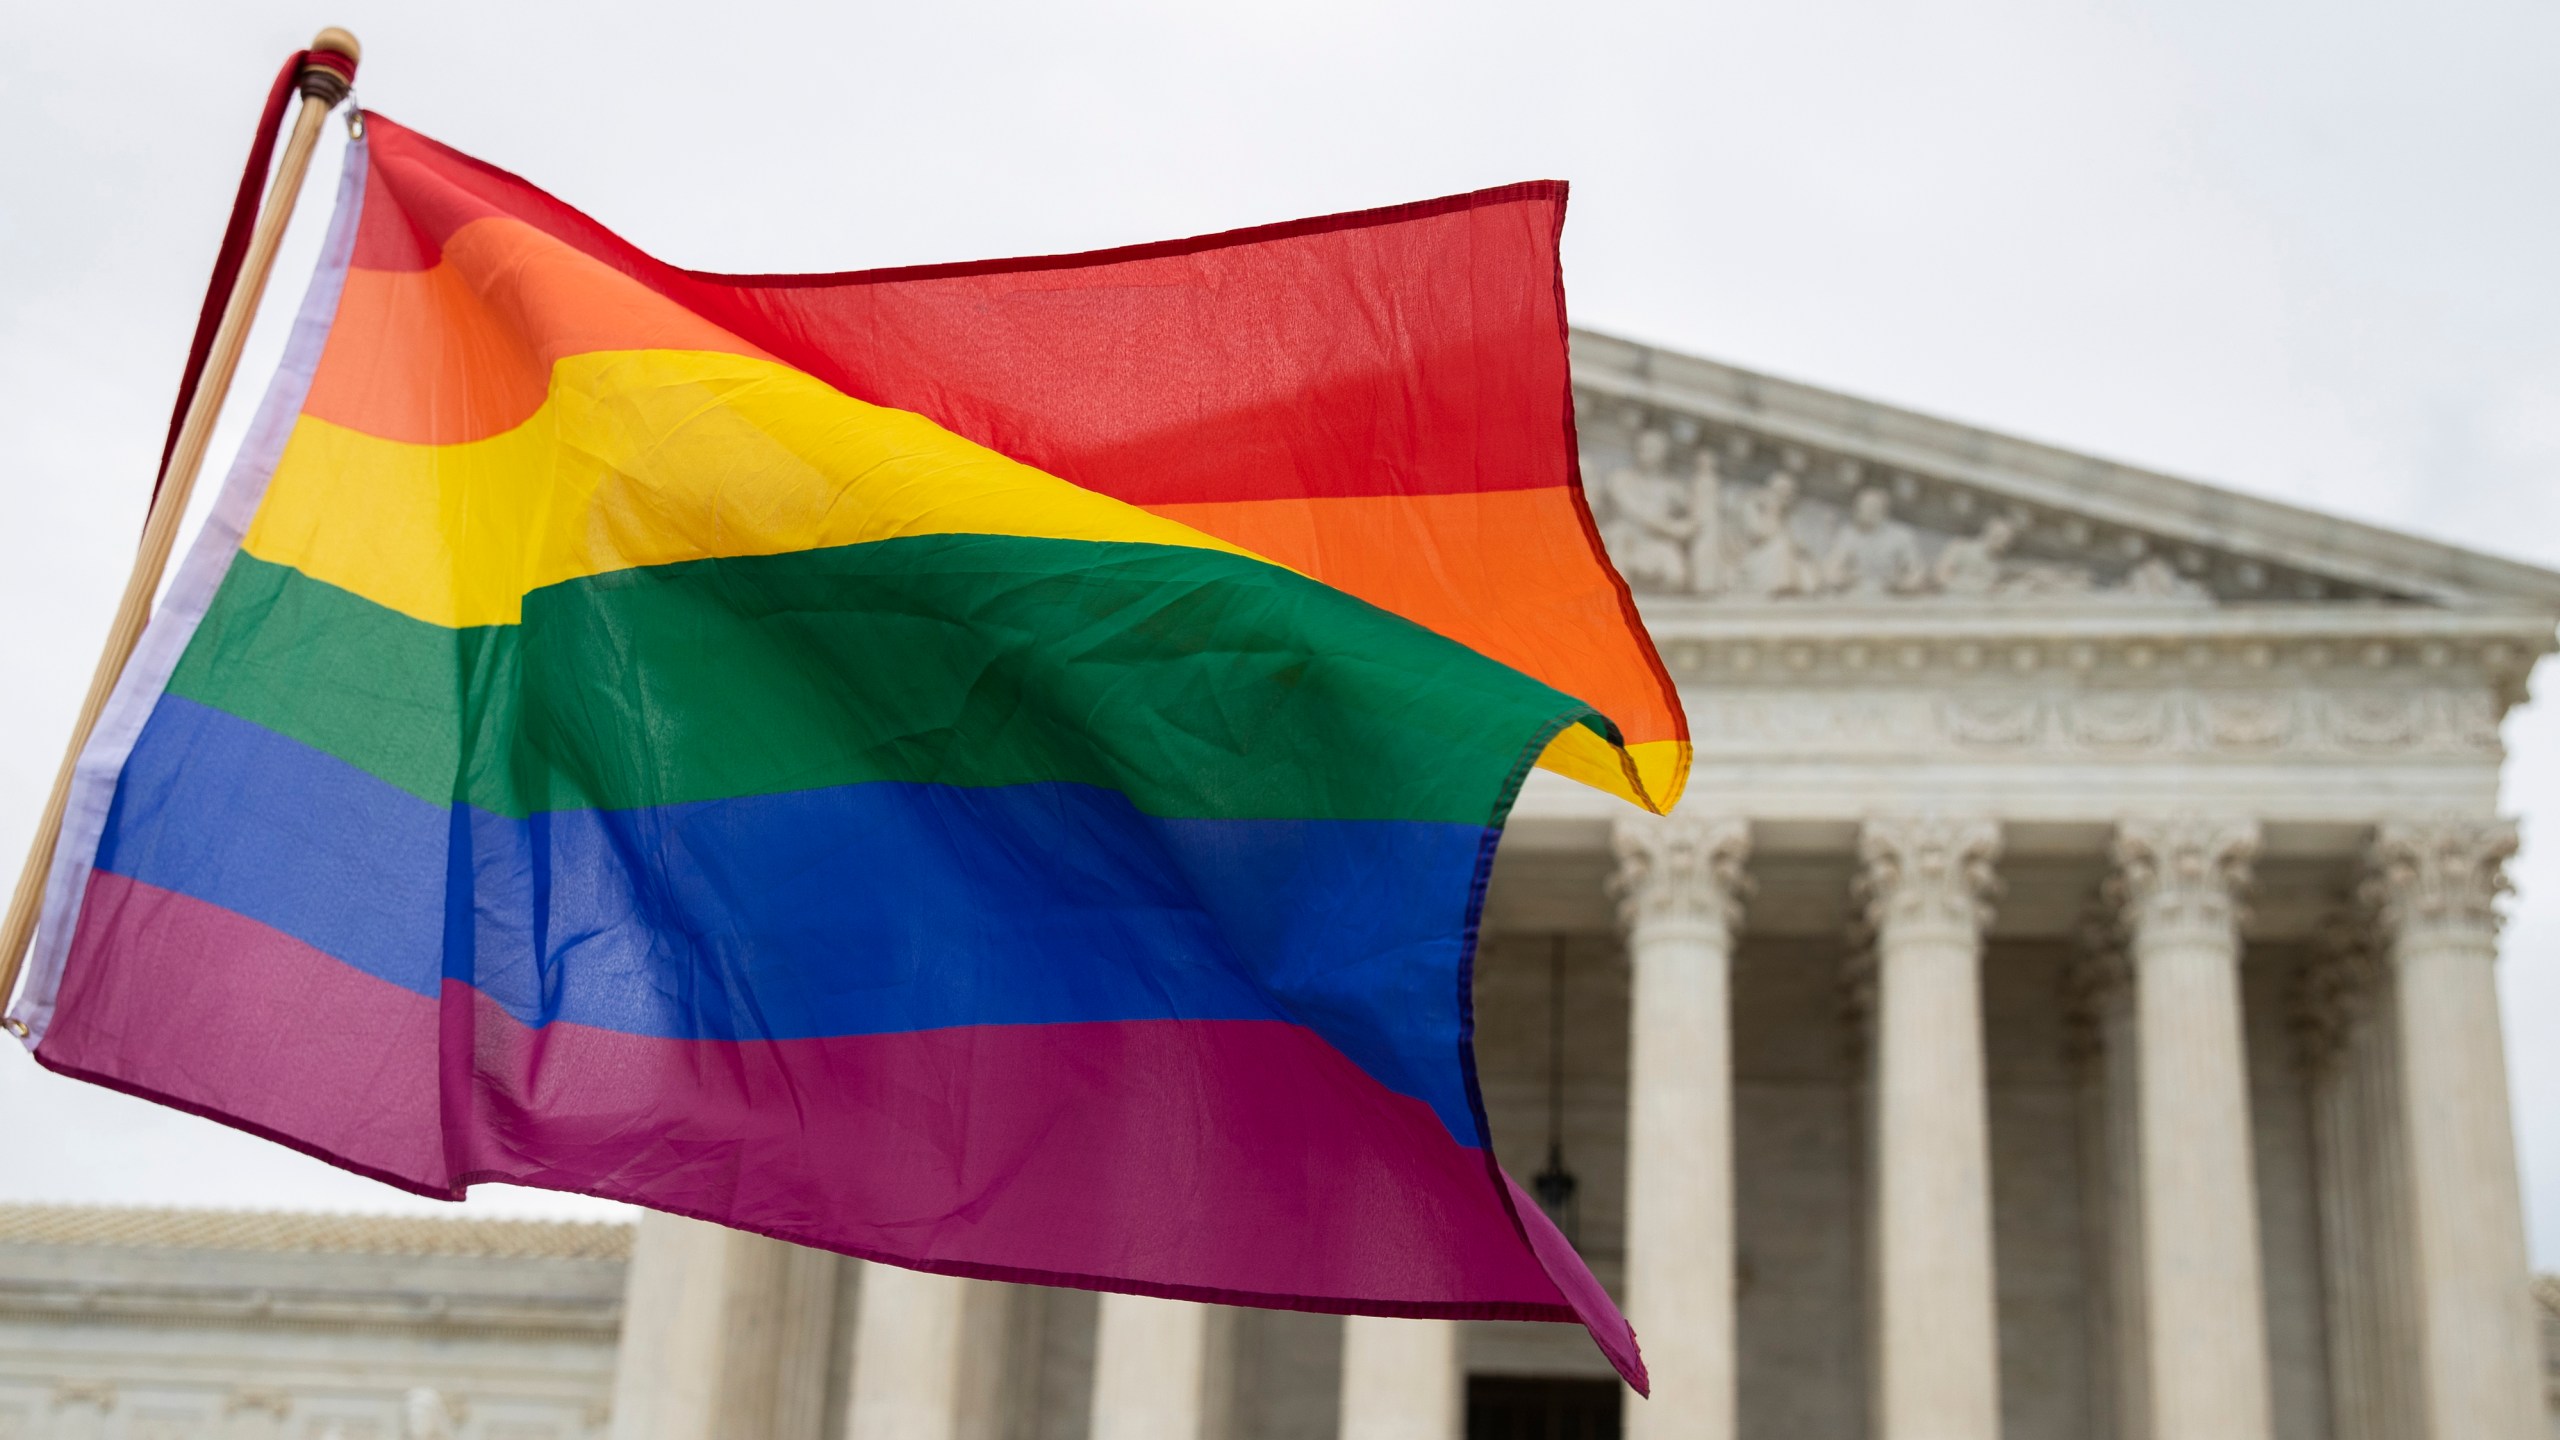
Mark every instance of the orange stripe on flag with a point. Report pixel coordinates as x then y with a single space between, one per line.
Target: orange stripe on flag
463 349
1506 572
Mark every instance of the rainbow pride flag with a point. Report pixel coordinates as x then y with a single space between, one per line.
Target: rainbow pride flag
991 768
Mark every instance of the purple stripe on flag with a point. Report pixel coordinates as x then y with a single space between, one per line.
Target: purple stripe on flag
218 1014
1243 1161
825 912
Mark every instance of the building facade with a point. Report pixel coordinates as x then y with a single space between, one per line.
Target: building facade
2064 1007
211 1325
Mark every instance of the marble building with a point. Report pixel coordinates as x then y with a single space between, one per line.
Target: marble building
209 1325
2064 1007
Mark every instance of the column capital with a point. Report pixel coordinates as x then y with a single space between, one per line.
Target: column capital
2182 876
1929 871
1679 887
1681 869
2445 873
2095 985
2333 995
1924 886
2179 885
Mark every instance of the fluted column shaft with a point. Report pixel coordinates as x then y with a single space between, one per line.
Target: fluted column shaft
2347 1023
2390 1282
1926 884
1402 1379
2328 1026
2100 1001
2436 886
927 1350
2204 1303
1679 887
2129 1353
725 1336
1158 1370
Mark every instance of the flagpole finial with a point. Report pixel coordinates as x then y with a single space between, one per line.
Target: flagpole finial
329 66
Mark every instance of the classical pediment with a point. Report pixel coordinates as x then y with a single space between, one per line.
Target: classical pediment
1720 514
1715 484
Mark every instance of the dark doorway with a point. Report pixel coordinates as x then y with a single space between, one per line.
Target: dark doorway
1518 1407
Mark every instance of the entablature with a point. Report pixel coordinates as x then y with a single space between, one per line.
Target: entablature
1873 612
1921 644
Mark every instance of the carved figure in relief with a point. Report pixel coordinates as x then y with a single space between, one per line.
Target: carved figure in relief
1773 563
2047 580
1976 567
1972 567
2157 579
1687 531
1650 525
1874 554
1706 516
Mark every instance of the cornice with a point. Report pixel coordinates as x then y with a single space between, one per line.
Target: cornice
298 1232
59 1303
2525 634
1916 654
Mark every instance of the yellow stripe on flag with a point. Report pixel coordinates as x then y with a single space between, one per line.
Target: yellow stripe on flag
1661 766
649 457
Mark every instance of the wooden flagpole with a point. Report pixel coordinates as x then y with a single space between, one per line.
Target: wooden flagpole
323 82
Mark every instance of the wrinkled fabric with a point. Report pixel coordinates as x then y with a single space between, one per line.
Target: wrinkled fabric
991 768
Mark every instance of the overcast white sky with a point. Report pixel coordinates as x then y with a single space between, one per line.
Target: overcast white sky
2301 249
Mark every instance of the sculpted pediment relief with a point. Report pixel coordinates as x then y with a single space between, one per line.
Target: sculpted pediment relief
1728 517
1719 512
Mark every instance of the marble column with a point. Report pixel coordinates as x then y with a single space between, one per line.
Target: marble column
2348 1027
1402 1379
2099 1004
725 1336
2331 1004
2435 885
1159 1370
927 1357
2180 880
2389 1281
1925 884
1679 887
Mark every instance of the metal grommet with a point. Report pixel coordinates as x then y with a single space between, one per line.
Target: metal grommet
15 1026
